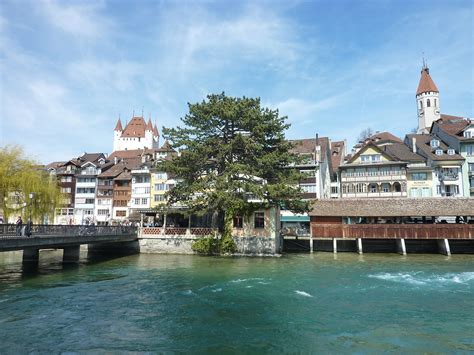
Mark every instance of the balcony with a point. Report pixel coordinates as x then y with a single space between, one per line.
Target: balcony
373 178
448 177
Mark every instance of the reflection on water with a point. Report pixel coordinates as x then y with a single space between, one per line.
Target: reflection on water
297 303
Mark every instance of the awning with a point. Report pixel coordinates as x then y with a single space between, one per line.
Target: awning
294 218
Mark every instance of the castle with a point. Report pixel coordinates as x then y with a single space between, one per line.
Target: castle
137 135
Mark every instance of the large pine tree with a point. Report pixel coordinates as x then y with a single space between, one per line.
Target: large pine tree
234 159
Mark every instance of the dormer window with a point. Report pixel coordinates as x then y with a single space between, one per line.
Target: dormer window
439 152
467 134
451 151
434 143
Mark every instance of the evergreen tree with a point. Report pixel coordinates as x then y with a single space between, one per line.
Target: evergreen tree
234 159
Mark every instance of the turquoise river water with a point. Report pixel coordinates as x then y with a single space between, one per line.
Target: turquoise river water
297 303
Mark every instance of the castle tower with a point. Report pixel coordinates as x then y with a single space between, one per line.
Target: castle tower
427 101
149 133
156 137
117 134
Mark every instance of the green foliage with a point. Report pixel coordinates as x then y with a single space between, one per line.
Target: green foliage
208 245
19 177
234 158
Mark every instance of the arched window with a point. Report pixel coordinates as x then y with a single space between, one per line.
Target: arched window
435 102
428 103
421 104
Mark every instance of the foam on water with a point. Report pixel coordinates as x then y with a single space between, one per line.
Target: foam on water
245 280
419 278
302 293
217 290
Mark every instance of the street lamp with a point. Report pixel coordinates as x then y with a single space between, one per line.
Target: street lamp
31 203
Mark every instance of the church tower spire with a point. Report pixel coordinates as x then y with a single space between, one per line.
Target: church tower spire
427 100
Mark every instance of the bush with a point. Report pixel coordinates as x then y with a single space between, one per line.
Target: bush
208 245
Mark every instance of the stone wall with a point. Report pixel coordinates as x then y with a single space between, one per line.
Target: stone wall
181 244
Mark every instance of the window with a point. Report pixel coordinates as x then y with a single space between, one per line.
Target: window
161 187
435 102
373 188
89 200
86 190
102 212
259 220
144 201
136 201
159 198
470 167
66 179
160 176
120 213
421 104
434 143
66 190
470 149
370 158
419 176
413 192
439 152
386 187
467 134
451 151
308 188
428 103
238 222
426 192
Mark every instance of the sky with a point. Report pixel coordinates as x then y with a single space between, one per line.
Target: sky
69 69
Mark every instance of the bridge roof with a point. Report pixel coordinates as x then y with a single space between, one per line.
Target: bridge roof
393 207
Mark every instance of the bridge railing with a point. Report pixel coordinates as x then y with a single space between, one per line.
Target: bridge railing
11 230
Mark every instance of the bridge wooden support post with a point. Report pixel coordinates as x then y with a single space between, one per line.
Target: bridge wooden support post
31 255
334 245
359 245
401 248
71 254
443 247
311 244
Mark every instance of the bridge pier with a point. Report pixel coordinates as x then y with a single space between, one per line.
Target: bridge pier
401 248
359 245
443 247
30 255
71 254
334 245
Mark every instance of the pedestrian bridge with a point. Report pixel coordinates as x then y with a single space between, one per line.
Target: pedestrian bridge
69 238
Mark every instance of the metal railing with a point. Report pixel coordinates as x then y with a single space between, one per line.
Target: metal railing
195 231
11 230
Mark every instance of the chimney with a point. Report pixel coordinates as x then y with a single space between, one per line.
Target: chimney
115 160
413 145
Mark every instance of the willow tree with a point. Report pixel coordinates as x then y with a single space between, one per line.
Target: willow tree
234 159
19 177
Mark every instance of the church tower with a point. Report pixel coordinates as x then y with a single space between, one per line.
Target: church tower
427 101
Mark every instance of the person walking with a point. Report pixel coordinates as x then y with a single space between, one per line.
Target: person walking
19 225
29 228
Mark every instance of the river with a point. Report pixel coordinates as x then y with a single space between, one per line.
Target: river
296 303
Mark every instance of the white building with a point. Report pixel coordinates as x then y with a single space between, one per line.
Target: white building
141 187
136 135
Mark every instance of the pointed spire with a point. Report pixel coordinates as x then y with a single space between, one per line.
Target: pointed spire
155 131
149 126
426 83
118 126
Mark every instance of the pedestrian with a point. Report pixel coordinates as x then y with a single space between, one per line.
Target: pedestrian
29 228
19 225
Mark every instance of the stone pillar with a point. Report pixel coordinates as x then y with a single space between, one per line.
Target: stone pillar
443 247
163 230
334 245
359 245
310 244
71 254
401 248
31 255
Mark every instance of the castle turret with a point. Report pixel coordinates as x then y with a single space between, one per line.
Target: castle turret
427 100
117 134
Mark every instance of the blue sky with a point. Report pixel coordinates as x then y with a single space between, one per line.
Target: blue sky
69 68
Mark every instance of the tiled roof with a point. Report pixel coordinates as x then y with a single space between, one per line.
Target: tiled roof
307 146
118 126
337 154
383 137
149 126
400 151
155 131
424 148
87 157
124 175
396 207
426 83
54 165
135 128
453 125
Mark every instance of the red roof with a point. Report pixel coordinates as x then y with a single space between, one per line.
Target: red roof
149 126
135 128
155 131
426 83
118 126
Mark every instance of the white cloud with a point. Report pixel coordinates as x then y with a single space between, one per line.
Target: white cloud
82 19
